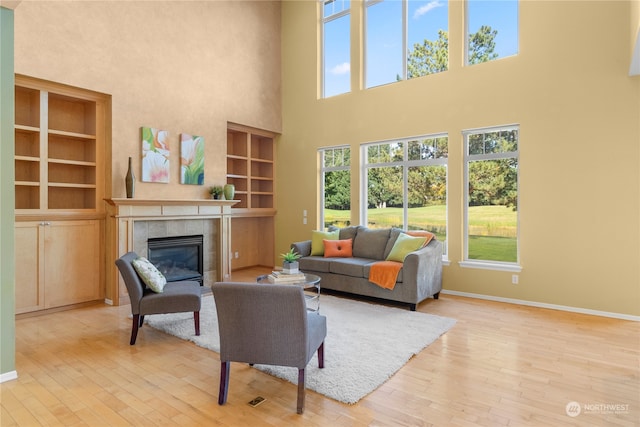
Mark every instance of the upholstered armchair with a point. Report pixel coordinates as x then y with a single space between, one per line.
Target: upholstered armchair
267 324
176 297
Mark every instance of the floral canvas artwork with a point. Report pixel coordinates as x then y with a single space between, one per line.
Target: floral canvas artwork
155 155
191 159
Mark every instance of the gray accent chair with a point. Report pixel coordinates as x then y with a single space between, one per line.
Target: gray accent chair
177 297
267 324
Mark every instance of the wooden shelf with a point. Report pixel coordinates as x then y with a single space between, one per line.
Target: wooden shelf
71 162
71 134
250 167
59 146
27 158
60 149
27 128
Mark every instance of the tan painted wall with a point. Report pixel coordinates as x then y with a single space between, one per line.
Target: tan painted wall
178 66
579 115
192 66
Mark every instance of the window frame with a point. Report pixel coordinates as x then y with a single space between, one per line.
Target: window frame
322 170
404 41
405 164
323 21
467 159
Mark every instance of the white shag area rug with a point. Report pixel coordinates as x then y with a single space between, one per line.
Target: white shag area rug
365 345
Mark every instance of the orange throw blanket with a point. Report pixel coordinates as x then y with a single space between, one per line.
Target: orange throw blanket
385 273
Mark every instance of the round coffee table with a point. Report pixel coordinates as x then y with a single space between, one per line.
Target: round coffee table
310 285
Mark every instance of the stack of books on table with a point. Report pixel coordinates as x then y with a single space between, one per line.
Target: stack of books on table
280 277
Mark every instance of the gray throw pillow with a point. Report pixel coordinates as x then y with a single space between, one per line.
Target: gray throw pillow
371 243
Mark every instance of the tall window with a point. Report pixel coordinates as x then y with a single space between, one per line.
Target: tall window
336 44
492 30
491 200
336 186
405 39
406 184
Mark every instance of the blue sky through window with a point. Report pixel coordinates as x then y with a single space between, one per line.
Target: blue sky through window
337 57
501 15
383 38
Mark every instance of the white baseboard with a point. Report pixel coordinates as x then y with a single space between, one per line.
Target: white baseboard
545 305
8 376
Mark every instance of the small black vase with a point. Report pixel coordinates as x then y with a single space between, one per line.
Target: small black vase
130 181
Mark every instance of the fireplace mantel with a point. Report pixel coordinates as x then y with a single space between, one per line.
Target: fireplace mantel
210 203
124 212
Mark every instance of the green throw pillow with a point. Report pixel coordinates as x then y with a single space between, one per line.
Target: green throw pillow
317 237
404 245
149 274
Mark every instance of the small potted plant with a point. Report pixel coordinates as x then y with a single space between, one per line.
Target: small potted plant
290 264
215 191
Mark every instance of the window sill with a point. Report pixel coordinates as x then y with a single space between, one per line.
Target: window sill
499 266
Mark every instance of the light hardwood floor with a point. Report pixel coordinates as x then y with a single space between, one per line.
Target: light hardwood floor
500 365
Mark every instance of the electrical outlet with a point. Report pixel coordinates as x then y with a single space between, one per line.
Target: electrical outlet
514 279
304 212
304 221
237 255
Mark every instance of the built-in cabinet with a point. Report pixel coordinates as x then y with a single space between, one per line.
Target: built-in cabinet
60 134
251 169
59 263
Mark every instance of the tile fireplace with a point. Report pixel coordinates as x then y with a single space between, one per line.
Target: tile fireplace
132 223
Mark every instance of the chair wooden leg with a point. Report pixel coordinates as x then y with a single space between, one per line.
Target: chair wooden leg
321 355
301 390
225 368
196 321
134 329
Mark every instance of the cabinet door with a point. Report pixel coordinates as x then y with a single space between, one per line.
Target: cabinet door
29 237
72 262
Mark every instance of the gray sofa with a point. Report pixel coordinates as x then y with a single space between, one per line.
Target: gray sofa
419 278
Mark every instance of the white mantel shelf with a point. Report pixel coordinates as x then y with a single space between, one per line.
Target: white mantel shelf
123 212
207 204
186 202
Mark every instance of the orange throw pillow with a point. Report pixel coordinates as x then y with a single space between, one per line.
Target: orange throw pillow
421 233
338 248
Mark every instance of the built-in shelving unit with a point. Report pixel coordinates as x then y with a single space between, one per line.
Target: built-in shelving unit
60 150
251 168
56 148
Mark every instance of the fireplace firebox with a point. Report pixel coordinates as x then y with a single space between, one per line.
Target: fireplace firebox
178 258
